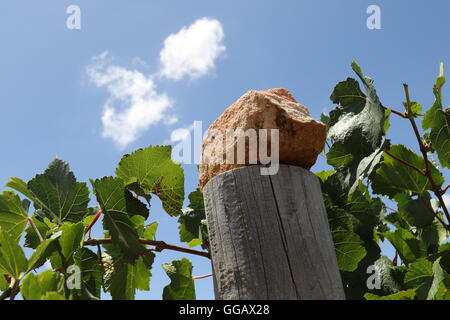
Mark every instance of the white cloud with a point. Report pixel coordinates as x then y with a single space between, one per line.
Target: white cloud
133 104
193 50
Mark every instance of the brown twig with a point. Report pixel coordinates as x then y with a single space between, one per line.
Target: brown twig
159 246
404 116
203 277
444 190
6 294
422 172
12 291
437 191
88 229
395 260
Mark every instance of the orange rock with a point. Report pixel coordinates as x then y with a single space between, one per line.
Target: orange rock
301 138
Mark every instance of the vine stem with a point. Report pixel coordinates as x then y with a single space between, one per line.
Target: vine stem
159 246
445 189
12 290
203 277
88 228
422 172
437 191
6 294
33 225
404 116
395 260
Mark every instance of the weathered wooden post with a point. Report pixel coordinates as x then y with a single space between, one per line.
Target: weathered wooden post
269 234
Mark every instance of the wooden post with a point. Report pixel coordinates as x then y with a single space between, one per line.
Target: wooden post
269 236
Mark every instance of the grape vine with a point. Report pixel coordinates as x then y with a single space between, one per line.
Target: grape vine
377 192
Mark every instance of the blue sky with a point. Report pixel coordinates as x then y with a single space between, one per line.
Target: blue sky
50 106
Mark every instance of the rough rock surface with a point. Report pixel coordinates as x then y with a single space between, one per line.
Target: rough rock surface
301 138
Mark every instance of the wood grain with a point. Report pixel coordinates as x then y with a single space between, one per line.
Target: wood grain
270 237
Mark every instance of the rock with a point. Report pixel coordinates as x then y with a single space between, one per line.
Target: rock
301 138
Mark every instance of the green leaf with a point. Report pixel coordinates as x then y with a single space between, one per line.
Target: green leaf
152 170
358 124
12 257
21 186
42 252
438 277
414 211
395 177
357 128
390 282
58 194
191 218
349 249
91 274
53 296
425 277
194 243
442 253
181 285
348 245
36 287
71 237
324 119
338 155
3 283
139 224
13 217
401 295
416 108
150 231
349 96
433 235
115 277
419 277
141 274
365 215
407 245
323 175
387 120
367 212
438 120
122 279
440 136
349 177
31 238
118 205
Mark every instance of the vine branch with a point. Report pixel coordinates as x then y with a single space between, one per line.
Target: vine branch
422 172
33 225
404 116
445 189
12 290
202 277
424 149
88 228
159 246
6 294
